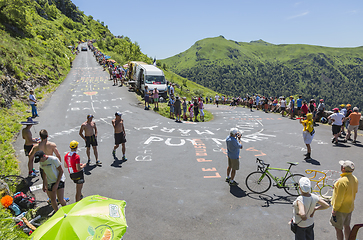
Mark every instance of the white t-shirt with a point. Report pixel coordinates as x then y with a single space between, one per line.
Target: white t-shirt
283 103
309 204
50 166
216 97
338 118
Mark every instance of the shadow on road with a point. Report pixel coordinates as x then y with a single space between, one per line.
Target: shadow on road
268 199
313 161
117 163
237 192
88 168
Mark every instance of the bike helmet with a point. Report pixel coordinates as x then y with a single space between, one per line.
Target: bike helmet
73 144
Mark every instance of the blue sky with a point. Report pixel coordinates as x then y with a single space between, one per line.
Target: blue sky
164 28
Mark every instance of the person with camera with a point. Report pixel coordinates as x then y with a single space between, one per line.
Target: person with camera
234 145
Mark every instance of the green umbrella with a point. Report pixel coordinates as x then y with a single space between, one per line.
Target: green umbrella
93 218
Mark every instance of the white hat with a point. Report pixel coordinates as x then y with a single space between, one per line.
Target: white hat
347 165
305 185
233 131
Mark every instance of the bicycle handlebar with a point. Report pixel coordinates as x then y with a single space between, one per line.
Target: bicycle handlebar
260 161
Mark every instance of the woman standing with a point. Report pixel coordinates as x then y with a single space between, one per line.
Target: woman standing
304 208
156 98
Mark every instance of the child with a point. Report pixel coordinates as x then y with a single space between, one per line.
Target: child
191 112
171 104
146 98
184 104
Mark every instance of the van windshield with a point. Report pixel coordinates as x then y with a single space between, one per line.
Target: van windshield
155 80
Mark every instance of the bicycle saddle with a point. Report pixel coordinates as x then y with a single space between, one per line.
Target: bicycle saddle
293 163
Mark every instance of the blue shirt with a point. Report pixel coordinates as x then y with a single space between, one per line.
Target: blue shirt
233 147
299 102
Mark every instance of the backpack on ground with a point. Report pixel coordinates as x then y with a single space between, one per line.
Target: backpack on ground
23 201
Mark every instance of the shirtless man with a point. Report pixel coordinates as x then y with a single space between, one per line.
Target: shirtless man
49 148
120 135
90 137
28 145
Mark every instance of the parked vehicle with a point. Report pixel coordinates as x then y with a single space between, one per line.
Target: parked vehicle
144 74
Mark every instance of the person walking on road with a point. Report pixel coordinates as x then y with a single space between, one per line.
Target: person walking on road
233 148
337 119
33 104
72 161
53 178
304 208
353 119
308 133
29 143
120 135
90 137
343 198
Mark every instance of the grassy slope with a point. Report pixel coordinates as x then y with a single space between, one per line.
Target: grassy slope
240 68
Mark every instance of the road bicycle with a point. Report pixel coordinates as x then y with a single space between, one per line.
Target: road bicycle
324 182
260 180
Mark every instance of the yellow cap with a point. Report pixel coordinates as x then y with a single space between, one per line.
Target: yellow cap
73 144
309 116
342 105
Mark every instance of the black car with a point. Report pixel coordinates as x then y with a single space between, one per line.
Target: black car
84 48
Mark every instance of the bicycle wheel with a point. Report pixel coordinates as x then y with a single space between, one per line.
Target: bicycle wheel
291 184
258 182
327 192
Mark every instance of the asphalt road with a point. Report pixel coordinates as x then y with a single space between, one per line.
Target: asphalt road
174 179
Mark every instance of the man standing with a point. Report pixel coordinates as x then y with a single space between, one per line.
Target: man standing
343 198
46 146
53 178
233 147
299 103
33 104
337 119
120 135
354 119
216 97
90 137
28 145
320 110
75 168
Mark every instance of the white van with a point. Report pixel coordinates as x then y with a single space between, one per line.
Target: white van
148 75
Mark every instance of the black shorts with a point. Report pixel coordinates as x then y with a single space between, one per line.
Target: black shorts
91 140
27 149
298 108
60 186
77 177
283 108
120 138
335 129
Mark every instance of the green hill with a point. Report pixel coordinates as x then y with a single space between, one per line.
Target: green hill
238 68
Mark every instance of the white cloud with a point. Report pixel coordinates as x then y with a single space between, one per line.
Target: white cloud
299 15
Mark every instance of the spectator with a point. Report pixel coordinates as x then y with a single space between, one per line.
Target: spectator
75 168
33 104
304 208
233 148
320 110
196 110
347 121
201 110
337 119
177 109
343 111
171 106
299 103
304 108
53 178
283 106
191 112
292 107
156 98
308 133
184 105
146 97
354 119
343 198
216 97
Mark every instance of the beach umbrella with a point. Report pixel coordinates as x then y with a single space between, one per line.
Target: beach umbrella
94 217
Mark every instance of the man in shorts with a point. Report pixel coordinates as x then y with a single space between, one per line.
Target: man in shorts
53 178
216 99
90 137
233 147
337 119
120 135
353 119
75 168
343 198
28 145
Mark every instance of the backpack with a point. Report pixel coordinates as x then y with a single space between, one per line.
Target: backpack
23 201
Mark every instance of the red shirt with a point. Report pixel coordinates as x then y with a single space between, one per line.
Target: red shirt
304 109
71 160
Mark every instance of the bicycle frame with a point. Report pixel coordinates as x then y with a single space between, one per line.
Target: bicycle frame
317 181
279 181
